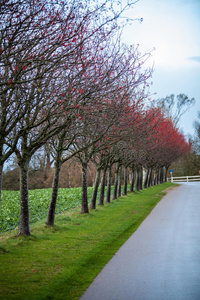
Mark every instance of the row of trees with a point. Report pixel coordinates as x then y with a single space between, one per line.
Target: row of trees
69 87
190 163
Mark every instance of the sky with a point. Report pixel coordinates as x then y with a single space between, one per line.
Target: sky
173 29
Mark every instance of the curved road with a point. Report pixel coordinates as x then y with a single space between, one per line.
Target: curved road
161 260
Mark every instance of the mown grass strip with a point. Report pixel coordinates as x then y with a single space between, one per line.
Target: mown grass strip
61 262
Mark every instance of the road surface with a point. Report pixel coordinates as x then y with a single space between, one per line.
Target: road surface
161 260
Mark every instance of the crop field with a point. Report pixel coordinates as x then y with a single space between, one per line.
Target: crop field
38 205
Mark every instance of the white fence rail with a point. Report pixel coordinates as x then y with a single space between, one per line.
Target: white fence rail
184 178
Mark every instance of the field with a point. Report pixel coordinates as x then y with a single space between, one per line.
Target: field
38 205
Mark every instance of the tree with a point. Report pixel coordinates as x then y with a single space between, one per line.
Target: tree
39 40
99 81
90 76
30 49
195 155
164 146
175 108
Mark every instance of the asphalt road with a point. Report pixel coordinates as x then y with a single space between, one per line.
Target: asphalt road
161 260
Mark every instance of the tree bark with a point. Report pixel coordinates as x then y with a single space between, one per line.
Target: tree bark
102 190
119 192
141 178
150 178
132 180
158 176
24 227
161 175
166 170
125 180
54 194
146 179
137 183
95 190
108 194
84 206
116 182
155 177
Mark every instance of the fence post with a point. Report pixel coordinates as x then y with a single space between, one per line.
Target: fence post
172 179
187 178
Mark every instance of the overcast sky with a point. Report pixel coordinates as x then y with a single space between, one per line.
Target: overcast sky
173 28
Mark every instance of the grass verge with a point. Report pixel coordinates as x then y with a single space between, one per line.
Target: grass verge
61 262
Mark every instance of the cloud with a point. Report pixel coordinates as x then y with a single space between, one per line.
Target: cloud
194 58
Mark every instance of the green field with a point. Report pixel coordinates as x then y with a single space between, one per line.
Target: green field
38 205
61 262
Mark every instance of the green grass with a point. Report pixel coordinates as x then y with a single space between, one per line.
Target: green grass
61 262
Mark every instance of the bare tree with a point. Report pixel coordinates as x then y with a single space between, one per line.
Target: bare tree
174 108
37 38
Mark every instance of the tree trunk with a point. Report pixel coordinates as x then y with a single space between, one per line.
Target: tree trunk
102 190
125 180
95 190
166 170
132 180
158 176
108 194
137 185
24 227
84 206
116 182
150 178
146 179
155 180
1 174
119 193
54 194
161 175
141 178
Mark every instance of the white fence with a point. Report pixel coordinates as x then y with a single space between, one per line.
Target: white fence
184 178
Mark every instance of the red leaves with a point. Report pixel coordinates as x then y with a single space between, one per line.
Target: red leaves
10 82
79 116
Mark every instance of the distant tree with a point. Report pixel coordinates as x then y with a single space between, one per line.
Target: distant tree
165 145
195 153
174 108
11 180
197 126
